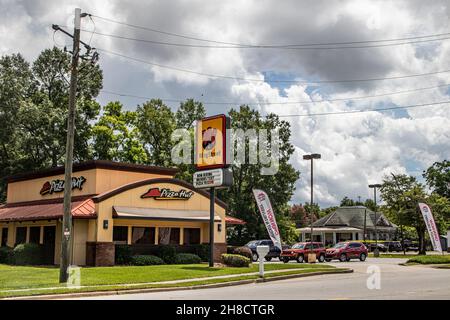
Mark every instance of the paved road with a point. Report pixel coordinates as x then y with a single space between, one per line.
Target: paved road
396 282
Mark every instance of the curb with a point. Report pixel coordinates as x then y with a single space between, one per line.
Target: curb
152 290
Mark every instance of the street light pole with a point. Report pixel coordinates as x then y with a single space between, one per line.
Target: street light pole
311 157
376 252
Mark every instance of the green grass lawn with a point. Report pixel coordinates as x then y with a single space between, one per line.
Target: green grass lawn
394 255
117 287
23 277
434 259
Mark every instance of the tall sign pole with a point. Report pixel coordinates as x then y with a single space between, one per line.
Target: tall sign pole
211 159
67 236
376 252
211 226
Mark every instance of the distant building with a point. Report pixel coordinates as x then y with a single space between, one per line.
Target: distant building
348 223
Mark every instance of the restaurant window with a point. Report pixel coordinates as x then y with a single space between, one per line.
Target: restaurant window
4 237
21 235
143 235
169 236
191 236
35 234
120 235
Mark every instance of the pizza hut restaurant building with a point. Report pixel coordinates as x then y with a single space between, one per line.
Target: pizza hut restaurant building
113 203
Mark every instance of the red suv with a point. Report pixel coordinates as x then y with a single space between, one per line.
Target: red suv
300 251
344 251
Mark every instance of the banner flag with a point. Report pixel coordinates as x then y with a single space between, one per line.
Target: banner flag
431 226
265 208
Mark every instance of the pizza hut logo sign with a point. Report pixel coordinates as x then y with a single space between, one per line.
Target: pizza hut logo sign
209 138
167 194
57 185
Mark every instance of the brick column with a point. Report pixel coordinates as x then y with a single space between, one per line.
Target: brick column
100 254
219 249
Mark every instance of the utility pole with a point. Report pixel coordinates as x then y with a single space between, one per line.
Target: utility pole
376 252
311 157
67 236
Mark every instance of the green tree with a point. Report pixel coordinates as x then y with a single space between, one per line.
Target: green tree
34 110
401 194
438 178
156 122
15 83
347 202
326 211
189 112
115 136
44 138
279 187
186 115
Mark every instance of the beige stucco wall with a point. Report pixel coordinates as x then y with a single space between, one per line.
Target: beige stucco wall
97 181
29 190
80 229
132 198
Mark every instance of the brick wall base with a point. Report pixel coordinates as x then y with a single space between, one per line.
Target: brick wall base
100 254
219 248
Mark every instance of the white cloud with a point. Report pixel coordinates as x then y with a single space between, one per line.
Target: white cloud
356 149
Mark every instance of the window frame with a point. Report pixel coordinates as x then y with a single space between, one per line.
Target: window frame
17 232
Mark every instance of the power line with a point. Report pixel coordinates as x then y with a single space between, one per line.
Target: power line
174 44
282 102
364 111
215 76
265 45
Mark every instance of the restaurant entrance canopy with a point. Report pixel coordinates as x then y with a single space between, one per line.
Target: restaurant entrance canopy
161 214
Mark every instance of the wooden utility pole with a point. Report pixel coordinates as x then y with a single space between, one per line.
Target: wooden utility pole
67 235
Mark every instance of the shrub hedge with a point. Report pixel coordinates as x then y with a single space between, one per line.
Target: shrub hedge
5 255
243 251
27 254
168 254
202 250
146 260
235 260
122 254
187 258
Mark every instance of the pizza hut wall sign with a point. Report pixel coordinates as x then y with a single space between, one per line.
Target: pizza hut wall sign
211 148
167 194
55 186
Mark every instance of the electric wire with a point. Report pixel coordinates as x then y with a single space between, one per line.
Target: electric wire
234 44
216 76
282 102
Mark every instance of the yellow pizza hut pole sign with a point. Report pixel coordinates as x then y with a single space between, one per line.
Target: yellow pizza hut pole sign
211 149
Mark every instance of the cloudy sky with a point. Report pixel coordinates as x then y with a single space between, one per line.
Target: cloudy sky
357 148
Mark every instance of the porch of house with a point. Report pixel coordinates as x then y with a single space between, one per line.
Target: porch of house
331 236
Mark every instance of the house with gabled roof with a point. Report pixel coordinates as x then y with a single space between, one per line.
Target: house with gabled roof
350 223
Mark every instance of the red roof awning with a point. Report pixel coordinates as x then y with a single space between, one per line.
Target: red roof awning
80 209
232 220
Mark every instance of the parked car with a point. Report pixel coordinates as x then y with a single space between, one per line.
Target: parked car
381 247
300 251
274 252
393 246
411 245
344 251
